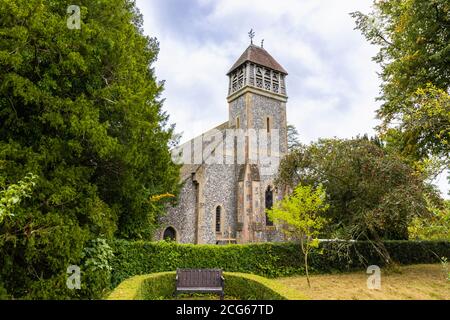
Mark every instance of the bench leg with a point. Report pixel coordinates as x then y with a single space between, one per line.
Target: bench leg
222 295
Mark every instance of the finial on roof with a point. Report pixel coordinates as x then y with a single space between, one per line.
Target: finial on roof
262 43
251 35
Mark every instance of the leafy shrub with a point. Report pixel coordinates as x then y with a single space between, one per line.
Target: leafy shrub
435 226
265 259
33 264
11 197
96 269
3 293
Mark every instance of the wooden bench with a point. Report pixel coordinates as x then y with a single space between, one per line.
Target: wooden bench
200 281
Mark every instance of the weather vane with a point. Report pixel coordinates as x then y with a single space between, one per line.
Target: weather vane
251 34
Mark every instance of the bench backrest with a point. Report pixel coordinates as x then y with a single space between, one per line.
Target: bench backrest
207 278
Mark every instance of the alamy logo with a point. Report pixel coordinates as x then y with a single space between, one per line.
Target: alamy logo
374 280
233 146
74 21
74 278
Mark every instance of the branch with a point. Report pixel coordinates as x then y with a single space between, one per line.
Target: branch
110 101
380 35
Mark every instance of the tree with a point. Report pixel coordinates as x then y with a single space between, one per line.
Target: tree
435 226
292 135
414 55
81 109
373 194
299 216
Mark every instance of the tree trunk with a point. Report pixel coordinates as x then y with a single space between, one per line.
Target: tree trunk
305 255
306 269
380 248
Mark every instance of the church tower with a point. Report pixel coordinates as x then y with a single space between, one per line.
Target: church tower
228 172
257 102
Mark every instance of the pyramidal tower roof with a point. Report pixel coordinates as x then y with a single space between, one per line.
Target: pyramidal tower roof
259 56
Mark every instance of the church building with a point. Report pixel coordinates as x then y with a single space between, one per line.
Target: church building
225 202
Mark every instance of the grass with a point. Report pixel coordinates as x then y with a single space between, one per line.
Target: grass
415 282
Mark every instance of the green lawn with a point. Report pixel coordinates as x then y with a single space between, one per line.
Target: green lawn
415 282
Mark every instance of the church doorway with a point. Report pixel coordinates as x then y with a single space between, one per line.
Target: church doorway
170 234
269 204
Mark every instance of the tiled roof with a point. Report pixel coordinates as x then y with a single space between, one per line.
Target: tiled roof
259 56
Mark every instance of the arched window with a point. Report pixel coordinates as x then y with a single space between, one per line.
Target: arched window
170 234
218 219
269 204
238 123
268 124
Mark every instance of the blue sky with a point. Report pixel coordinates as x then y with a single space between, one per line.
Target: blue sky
332 82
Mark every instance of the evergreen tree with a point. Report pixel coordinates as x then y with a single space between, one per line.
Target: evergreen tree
292 134
80 108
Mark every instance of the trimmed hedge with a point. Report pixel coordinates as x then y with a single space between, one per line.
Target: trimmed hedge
161 285
265 259
252 287
154 286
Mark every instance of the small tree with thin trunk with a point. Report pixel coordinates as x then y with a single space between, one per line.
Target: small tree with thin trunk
299 216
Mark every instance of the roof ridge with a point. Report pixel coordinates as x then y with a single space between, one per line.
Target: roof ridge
257 55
